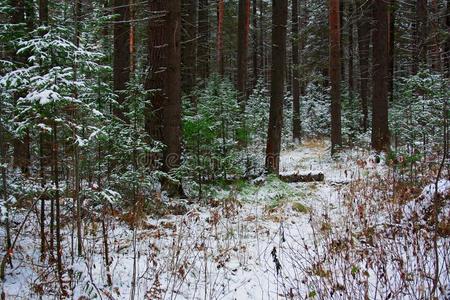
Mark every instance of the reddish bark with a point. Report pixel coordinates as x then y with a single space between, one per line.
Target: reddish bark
243 30
163 120
351 85
335 74
203 39
121 61
220 15
296 128
363 48
189 47
255 53
420 36
279 23
380 91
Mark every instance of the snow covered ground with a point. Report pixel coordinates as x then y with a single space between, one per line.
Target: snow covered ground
256 244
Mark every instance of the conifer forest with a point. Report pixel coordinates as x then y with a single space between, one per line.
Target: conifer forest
225 149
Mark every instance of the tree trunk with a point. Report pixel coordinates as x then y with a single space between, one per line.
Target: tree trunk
76 152
43 151
172 107
435 47
157 62
59 253
164 78
351 86
189 47
220 15
391 48
363 47
132 38
380 92
261 35
21 145
43 12
279 23
296 126
342 8
420 36
242 55
335 75
121 65
203 40
447 43
255 53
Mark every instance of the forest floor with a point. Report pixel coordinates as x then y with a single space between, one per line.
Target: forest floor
257 240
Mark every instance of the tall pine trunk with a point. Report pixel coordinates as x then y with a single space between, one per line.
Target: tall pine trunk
243 30
157 61
189 47
76 154
363 48
203 39
296 125
447 43
21 145
163 118
420 36
121 61
255 48
351 85
380 91
220 16
279 23
172 106
392 13
335 74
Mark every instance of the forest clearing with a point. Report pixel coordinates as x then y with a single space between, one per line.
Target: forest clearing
262 241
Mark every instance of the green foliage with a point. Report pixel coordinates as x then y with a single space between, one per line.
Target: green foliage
417 114
212 131
315 111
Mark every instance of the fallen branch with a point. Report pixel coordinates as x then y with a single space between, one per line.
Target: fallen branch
290 178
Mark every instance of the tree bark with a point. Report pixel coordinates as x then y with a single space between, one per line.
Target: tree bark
255 46
172 107
279 23
76 154
420 36
435 47
392 13
189 47
132 42
163 119
203 40
242 55
296 125
121 64
157 61
220 16
351 85
335 75
447 43
363 48
380 92
43 12
21 145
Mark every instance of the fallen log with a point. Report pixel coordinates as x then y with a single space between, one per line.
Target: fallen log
286 177
291 178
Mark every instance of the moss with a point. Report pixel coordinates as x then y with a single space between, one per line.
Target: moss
300 208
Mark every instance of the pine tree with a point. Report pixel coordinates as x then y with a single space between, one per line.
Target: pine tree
380 92
335 75
279 23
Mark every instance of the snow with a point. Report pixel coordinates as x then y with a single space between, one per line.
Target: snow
221 252
43 97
